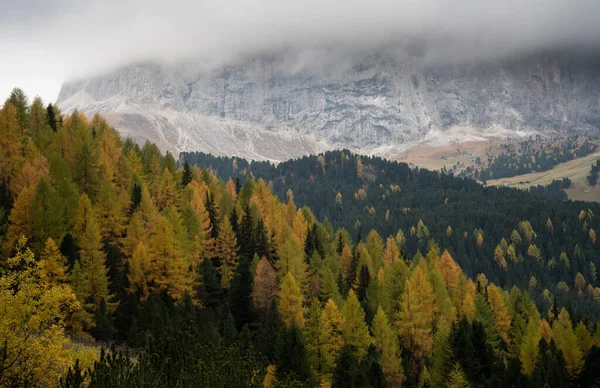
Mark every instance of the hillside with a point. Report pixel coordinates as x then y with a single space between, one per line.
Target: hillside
261 109
331 270
576 170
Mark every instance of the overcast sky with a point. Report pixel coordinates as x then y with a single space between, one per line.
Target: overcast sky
44 42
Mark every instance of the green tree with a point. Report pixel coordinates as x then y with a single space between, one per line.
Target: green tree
354 329
386 341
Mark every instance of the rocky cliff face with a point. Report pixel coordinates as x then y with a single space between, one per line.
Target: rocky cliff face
261 110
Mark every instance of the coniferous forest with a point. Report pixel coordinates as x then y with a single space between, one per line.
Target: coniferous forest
125 267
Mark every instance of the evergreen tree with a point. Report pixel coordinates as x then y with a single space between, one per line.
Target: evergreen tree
292 358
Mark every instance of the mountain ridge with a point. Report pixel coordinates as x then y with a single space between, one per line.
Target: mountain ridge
381 106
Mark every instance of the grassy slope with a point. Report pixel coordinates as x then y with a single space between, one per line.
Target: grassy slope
576 170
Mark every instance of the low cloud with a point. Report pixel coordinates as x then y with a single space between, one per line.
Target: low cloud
46 42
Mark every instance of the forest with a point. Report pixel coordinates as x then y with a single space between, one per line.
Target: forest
125 267
534 154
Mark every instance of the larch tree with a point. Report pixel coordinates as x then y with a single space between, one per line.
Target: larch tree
290 302
500 310
264 287
566 340
394 283
48 215
35 349
584 339
170 270
529 351
457 378
386 341
444 312
227 252
315 343
291 259
21 219
10 142
140 274
451 272
110 213
354 329
52 264
416 314
331 335
86 171
392 253
92 257
168 196
499 257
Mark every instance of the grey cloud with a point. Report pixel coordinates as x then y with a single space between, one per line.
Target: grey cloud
58 39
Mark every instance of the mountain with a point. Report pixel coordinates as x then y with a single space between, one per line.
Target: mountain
263 110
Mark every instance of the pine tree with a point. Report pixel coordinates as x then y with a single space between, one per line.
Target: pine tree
187 175
240 294
290 302
354 329
51 117
315 343
292 358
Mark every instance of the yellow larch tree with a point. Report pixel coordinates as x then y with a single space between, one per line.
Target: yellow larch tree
300 226
227 252
21 219
331 335
110 152
501 313
169 271
416 314
52 265
354 329
529 351
140 274
386 341
91 256
392 253
35 349
290 302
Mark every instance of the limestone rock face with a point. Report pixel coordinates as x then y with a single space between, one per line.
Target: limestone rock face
261 110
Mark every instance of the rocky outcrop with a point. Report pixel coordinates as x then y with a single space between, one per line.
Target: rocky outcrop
261 110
